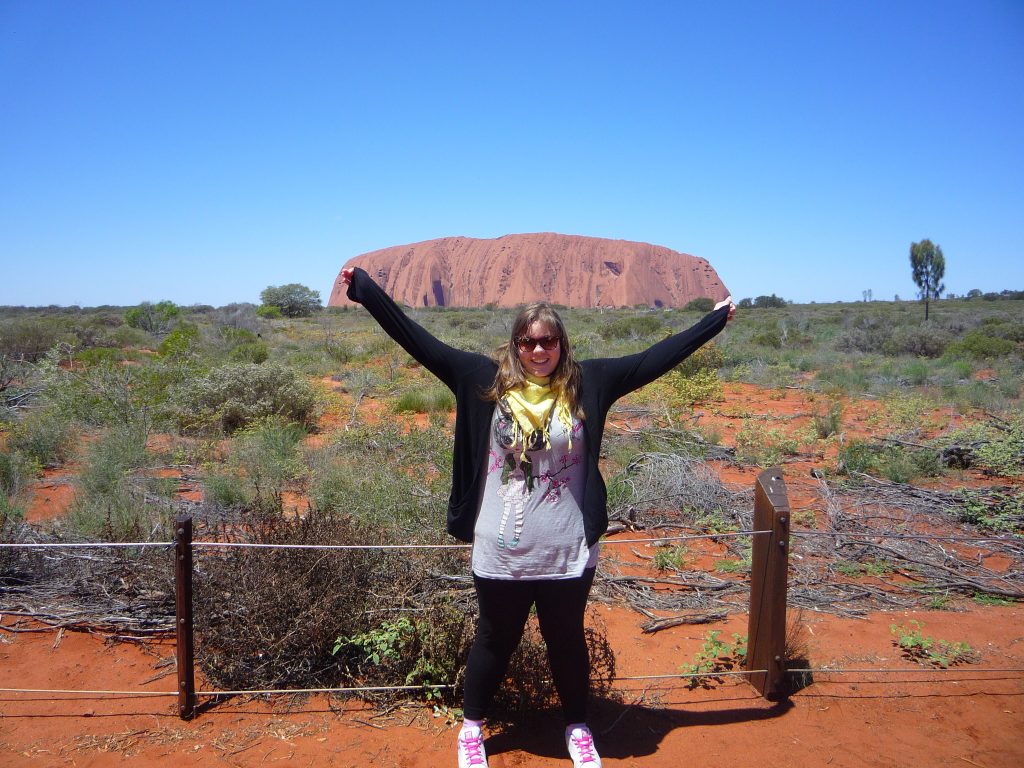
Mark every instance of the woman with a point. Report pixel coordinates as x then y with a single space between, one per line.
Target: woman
526 488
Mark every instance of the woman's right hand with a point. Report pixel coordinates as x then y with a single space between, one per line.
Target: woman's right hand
346 275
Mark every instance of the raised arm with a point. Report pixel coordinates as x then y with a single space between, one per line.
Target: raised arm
440 359
625 374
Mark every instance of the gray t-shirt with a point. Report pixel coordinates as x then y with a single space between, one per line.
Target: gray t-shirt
530 524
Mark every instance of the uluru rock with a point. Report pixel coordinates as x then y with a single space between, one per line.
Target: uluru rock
507 271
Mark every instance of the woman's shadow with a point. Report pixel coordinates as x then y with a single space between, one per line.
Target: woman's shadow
625 730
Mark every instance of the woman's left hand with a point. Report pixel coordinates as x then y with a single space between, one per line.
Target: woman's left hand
727 302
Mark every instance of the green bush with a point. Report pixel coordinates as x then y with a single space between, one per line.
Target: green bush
152 318
631 327
45 436
702 304
17 470
269 453
894 462
99 356
111 503
432 400
233 396
920 341
224 489
250 352
30 338
269 312
827 418
182 342
978 345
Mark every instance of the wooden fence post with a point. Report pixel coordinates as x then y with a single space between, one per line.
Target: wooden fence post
766 628
183 616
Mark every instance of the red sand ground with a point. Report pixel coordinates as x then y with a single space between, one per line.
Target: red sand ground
966 717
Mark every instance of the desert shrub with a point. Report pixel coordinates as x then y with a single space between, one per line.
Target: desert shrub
920 341
111 502
30 338
991 510
827 418
45 436
869 333
240 316
385 477
769 337
269 454
250 352
431 400
182 342
152 318
269 312
850 378
686 391
758 444
224 489
99 356
233 396
631 327
995 446
979 345
917 372
896 463
233 335
272 618
706 358
126 337
17 470
703 304
339 351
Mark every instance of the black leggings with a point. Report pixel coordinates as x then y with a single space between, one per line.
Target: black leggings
504 608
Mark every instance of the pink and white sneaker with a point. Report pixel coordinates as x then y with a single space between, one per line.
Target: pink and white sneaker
471 748
580 743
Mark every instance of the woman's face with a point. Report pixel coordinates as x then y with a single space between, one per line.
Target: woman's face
539 349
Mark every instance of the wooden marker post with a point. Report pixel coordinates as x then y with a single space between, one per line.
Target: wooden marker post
183 616
766 628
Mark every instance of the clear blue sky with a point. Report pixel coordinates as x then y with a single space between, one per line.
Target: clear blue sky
201 151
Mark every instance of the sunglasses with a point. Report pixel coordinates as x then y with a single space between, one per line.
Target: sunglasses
528 343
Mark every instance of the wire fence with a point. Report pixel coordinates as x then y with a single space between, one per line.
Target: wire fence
414 546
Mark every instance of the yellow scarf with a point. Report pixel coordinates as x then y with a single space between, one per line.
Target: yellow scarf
532 403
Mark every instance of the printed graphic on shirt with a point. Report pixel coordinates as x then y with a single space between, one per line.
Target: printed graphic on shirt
519 479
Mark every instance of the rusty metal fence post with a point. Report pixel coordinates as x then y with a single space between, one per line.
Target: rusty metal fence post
183 616
766 628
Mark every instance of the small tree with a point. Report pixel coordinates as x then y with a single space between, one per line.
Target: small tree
293 300
154 318
928 265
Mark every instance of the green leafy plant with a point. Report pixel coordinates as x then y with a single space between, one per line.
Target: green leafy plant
991 510
714 656
919 647
384 643
670 558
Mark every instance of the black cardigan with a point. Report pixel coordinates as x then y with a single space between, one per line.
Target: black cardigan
468 374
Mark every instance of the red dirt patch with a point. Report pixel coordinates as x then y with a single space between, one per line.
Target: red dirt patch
50 497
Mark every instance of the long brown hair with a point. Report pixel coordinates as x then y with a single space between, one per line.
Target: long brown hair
566 378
